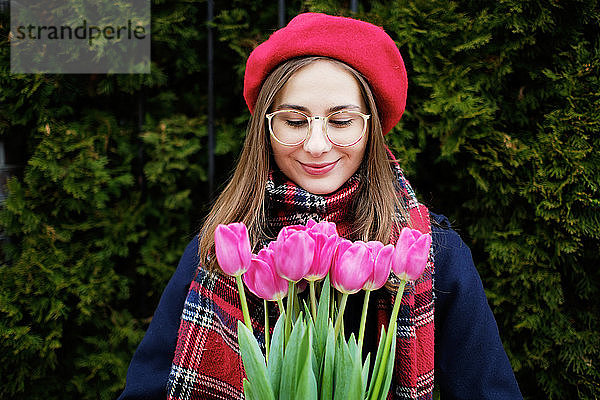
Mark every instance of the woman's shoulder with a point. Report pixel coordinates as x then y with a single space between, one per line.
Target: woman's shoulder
189 268
445 238
464 322
190 254
201 280
452 256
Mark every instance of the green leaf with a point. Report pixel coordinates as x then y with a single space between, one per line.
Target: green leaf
356 391
378 357
343 366
250 391
321 325
275 362
327 368
365 373
254 363
304 350
353 349
311 328
307 384
348 373
385 388
289 374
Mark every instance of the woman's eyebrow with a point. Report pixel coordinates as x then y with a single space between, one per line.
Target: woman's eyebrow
344 107
286 106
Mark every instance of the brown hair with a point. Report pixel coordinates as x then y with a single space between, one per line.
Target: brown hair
243 199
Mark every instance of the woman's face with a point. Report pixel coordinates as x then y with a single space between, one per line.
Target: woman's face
317 165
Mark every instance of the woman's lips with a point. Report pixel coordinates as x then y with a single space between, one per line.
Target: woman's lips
318 169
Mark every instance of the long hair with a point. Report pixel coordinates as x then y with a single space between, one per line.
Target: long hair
375 206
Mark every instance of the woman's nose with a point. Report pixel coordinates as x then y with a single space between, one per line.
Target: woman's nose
317 142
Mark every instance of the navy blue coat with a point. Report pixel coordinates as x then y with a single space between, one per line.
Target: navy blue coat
470 362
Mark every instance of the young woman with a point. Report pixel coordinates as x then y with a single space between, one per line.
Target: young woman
323 92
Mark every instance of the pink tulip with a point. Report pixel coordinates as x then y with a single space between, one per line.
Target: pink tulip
410 256
326 239
380 264
348 273
293 253
325 227
262 280
233 248
289 230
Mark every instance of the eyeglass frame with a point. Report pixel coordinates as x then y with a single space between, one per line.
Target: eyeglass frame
310 119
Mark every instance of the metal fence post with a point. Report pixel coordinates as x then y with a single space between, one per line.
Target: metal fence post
211 101
282 19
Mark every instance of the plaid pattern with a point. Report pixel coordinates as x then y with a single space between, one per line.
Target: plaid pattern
207 363
413 372
289 204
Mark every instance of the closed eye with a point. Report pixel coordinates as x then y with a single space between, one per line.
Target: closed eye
295 123
341 123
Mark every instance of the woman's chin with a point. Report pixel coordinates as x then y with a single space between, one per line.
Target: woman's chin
320 185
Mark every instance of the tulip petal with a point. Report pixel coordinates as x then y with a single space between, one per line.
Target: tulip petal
382 267
325 227
343 245
374 246
410 255
244 249
417 257
323 255
294 255
263 282
399 259
258 278
230 259
350 272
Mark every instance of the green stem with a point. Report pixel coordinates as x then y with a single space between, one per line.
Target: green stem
267 333
331 305
391 334
281 307
242 293
340 317
313 300
363 320
289 311
296 305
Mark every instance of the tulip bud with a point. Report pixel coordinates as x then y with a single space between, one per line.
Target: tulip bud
232 247
262 280
324 227
293 253
326 239
410 256
380 264
348 273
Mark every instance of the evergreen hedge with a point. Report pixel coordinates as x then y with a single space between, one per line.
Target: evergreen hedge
501 134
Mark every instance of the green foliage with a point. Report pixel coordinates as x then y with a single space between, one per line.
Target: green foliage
96 222
500 134
503 115
63 219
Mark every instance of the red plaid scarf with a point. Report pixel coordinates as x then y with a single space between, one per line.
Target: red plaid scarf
207 363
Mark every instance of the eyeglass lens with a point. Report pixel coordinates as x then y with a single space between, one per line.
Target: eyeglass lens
291 127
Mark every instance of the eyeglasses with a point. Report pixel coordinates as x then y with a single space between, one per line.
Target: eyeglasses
342 128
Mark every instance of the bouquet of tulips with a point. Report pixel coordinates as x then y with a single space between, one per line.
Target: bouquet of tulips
309 356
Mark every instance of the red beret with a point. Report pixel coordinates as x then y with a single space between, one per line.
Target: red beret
364 46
